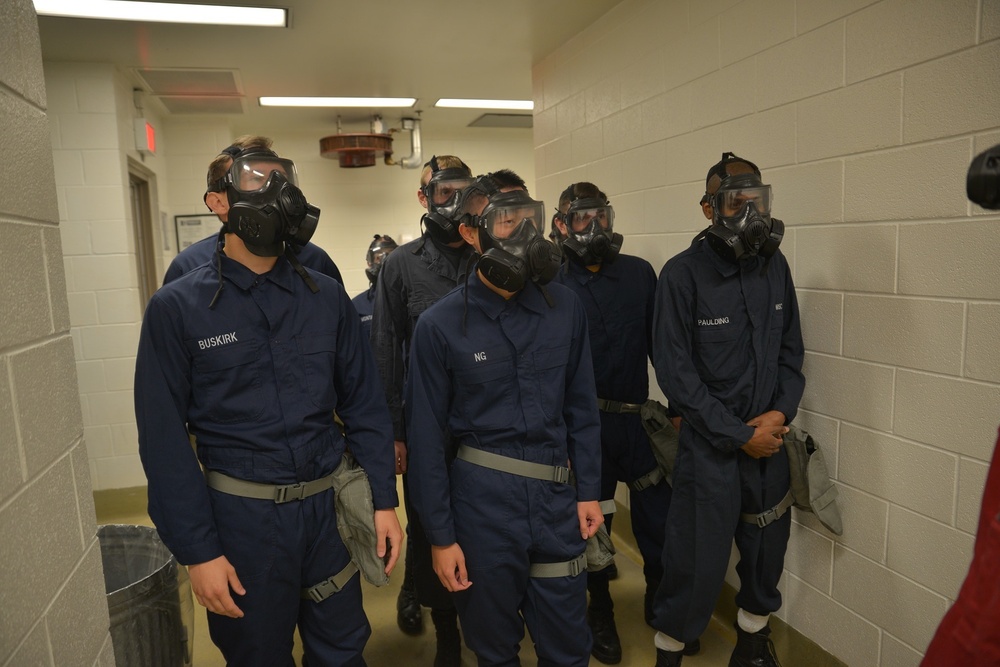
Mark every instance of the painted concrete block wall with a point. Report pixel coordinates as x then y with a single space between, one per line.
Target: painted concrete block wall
50 553
864 116
91 119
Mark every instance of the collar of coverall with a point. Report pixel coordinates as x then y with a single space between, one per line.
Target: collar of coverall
281 275
493 304
582 274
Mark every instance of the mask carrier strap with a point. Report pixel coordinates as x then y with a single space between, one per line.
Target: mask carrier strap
219 243
545 293
702 234
294 261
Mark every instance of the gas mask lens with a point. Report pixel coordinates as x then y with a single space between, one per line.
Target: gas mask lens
253 173
522 220
729 203
379 255
443 192
580 220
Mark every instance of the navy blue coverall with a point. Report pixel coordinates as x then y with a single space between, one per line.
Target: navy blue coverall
727 348
413 277
512 377
618 300
364 303
257 379
310 256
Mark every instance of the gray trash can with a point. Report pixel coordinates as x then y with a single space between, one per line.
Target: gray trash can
149 599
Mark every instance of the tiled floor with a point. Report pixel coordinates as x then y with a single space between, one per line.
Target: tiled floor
389 646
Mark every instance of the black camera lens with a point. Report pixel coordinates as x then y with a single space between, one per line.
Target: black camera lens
982 185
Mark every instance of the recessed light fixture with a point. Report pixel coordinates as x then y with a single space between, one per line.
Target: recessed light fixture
337 101
163 12
514 105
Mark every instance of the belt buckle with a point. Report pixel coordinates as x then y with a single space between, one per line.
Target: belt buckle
560 474
765 518
290 492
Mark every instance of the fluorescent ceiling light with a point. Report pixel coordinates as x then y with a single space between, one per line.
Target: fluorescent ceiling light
516 105
337 101
163 12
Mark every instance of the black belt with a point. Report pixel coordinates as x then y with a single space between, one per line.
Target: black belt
618 407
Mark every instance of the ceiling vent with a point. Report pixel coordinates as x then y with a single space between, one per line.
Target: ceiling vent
516 120
358 149
194 91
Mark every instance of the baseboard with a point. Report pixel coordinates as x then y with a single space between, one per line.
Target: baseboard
792 647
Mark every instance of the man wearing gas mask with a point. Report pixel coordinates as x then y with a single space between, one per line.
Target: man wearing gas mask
378 250
196 254
253 354
500 407
412 278
617 293
727 348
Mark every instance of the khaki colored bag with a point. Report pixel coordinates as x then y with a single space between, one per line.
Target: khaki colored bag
356 519
600 551
663 437
812 489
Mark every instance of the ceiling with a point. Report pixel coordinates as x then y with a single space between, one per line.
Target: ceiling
360 48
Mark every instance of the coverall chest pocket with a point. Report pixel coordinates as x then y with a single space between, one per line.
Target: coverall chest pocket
720 354
550 374
226 383
318 355
484 393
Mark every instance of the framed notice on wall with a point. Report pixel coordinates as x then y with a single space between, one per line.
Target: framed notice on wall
193 228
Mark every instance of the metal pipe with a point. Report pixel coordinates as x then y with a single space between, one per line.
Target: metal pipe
415 158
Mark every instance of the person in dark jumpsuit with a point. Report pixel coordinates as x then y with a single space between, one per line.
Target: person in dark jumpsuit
310 256
727 348
364 303
501 381
253 354
617 293
412 278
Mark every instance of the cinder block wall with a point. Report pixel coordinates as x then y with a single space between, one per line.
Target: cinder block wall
864 116
91 111
54 610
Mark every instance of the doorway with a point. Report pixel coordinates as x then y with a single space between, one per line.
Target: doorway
142 200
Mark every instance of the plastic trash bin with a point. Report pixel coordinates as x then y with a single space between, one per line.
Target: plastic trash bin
149 599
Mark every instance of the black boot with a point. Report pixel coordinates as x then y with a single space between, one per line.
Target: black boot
449 641
754 649
607 646
408 614
668 658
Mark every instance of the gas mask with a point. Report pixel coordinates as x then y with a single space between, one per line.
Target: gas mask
377 251
590 239
742 225
514 249
442 193
267 210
